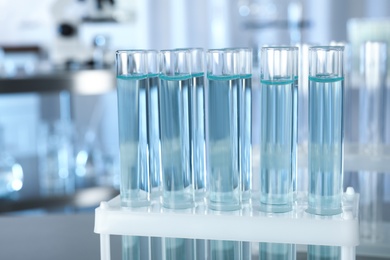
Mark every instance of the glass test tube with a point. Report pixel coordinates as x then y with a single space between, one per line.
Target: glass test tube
221 250
132 84
326 84
278 127
315 252
222 114
198 121
198 137
175 79
154 142
245 121
373 70
153 123
272 251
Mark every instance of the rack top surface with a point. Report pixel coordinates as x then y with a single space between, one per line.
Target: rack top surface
247 224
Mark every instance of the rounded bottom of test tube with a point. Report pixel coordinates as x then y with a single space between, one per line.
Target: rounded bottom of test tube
177 203
222 206
275 208
324 212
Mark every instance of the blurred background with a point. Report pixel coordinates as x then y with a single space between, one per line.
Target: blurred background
58 113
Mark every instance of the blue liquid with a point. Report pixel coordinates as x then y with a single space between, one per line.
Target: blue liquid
325 145
132 113
131 248
323 252
198 134
179 248
274 251
222 148
224 250
246 135
136 248
246 251
175 142
154 135
277 144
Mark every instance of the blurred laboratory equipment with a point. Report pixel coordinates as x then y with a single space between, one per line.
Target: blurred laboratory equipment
100 50
11 172
56 162
326 79
89 164
373 69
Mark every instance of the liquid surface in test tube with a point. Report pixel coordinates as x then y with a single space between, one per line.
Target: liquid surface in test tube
198 128
278 153
325 144
223 161
154 135
132 112
175 142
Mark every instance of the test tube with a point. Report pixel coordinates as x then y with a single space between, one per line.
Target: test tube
245 128
154 123
198 121
373 71
197 134
278 127
175 82
222 115
272 251
135 248
315 252
326 86
221 250
132 83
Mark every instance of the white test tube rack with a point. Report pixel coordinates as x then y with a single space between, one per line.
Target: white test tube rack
248 224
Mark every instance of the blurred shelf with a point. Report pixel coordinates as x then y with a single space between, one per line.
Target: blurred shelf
82 199
83 82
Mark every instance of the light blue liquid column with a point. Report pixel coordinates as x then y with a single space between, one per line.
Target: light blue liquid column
175 115
197 122
222 115
325 129
274 251
154 124
198 138
372 114
135 248
222 142
245 119
278 128
224 250
179 248
132 87
323 252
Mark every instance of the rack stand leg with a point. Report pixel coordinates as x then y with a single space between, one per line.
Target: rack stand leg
105 253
